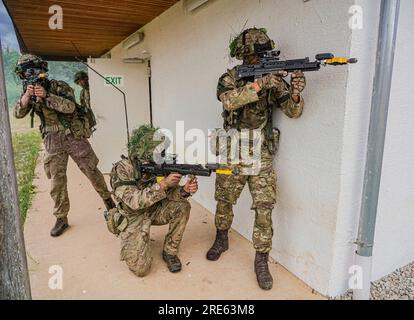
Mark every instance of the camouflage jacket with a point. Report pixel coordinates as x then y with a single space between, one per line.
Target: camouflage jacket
85 98
244 108
60 101
137 196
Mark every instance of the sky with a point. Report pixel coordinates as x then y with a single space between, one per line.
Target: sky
8 37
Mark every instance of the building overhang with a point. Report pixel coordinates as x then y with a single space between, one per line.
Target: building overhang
89 29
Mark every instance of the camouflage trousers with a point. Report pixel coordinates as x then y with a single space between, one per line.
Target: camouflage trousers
58 149
263 190
136 242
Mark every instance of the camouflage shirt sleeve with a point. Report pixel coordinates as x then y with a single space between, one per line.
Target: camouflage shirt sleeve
283 99
137 199
20 111
61 97
232 97
60 104
85 98
132 196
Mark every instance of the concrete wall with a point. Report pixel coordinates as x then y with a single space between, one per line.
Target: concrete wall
188 54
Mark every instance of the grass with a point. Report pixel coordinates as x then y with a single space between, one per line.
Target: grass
26 146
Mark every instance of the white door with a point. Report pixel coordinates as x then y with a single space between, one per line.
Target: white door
110 139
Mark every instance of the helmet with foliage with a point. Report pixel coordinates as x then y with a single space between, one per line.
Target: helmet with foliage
80 75
250 41
144 141
29 61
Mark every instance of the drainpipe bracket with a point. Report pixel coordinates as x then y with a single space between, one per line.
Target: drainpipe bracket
363 244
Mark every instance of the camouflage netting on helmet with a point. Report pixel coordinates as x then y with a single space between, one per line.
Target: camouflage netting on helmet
80 75
144 141
249 42
27 61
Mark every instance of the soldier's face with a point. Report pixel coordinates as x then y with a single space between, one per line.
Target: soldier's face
32 72
251 59
83 83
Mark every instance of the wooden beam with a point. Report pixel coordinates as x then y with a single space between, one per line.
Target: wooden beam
14 277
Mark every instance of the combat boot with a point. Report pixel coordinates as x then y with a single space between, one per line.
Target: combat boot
264 278
220 245
109 204
173 263
60 226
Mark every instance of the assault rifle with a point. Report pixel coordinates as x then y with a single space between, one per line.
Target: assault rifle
37 78
171 166
270 62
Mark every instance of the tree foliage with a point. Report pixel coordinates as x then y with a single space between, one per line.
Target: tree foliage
13 84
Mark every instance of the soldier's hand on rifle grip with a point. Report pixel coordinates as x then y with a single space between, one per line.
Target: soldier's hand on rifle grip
273 80
298 83
191 186
24 101
29 91
39 91
171 181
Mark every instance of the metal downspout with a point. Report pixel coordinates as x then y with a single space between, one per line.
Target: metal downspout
387 34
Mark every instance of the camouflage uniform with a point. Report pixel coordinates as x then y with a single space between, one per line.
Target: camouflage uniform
57 112
144 204
244 108
85 98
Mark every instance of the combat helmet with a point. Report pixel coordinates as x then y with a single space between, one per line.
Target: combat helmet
80 75
29 61
144 141
251 41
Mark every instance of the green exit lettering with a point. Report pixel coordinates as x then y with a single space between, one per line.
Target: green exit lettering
115 80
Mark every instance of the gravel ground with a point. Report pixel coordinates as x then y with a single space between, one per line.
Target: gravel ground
398 285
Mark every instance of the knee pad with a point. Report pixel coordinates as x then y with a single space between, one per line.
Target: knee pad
138 268
263 218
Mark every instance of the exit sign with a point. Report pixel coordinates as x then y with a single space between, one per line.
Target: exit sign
115 80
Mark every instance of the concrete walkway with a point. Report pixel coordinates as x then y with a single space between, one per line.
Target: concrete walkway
88 256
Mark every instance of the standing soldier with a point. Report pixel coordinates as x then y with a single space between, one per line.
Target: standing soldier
144 201
64 130
82 80
248 104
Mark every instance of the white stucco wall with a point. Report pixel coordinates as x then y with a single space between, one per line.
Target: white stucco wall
108 105
321 158
393 243
189 53
355 136
394 239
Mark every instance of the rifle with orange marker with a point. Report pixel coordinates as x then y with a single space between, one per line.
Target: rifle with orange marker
270 62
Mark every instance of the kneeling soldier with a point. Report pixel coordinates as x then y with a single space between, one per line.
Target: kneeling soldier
144 202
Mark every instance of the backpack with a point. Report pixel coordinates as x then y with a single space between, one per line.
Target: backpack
116 222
